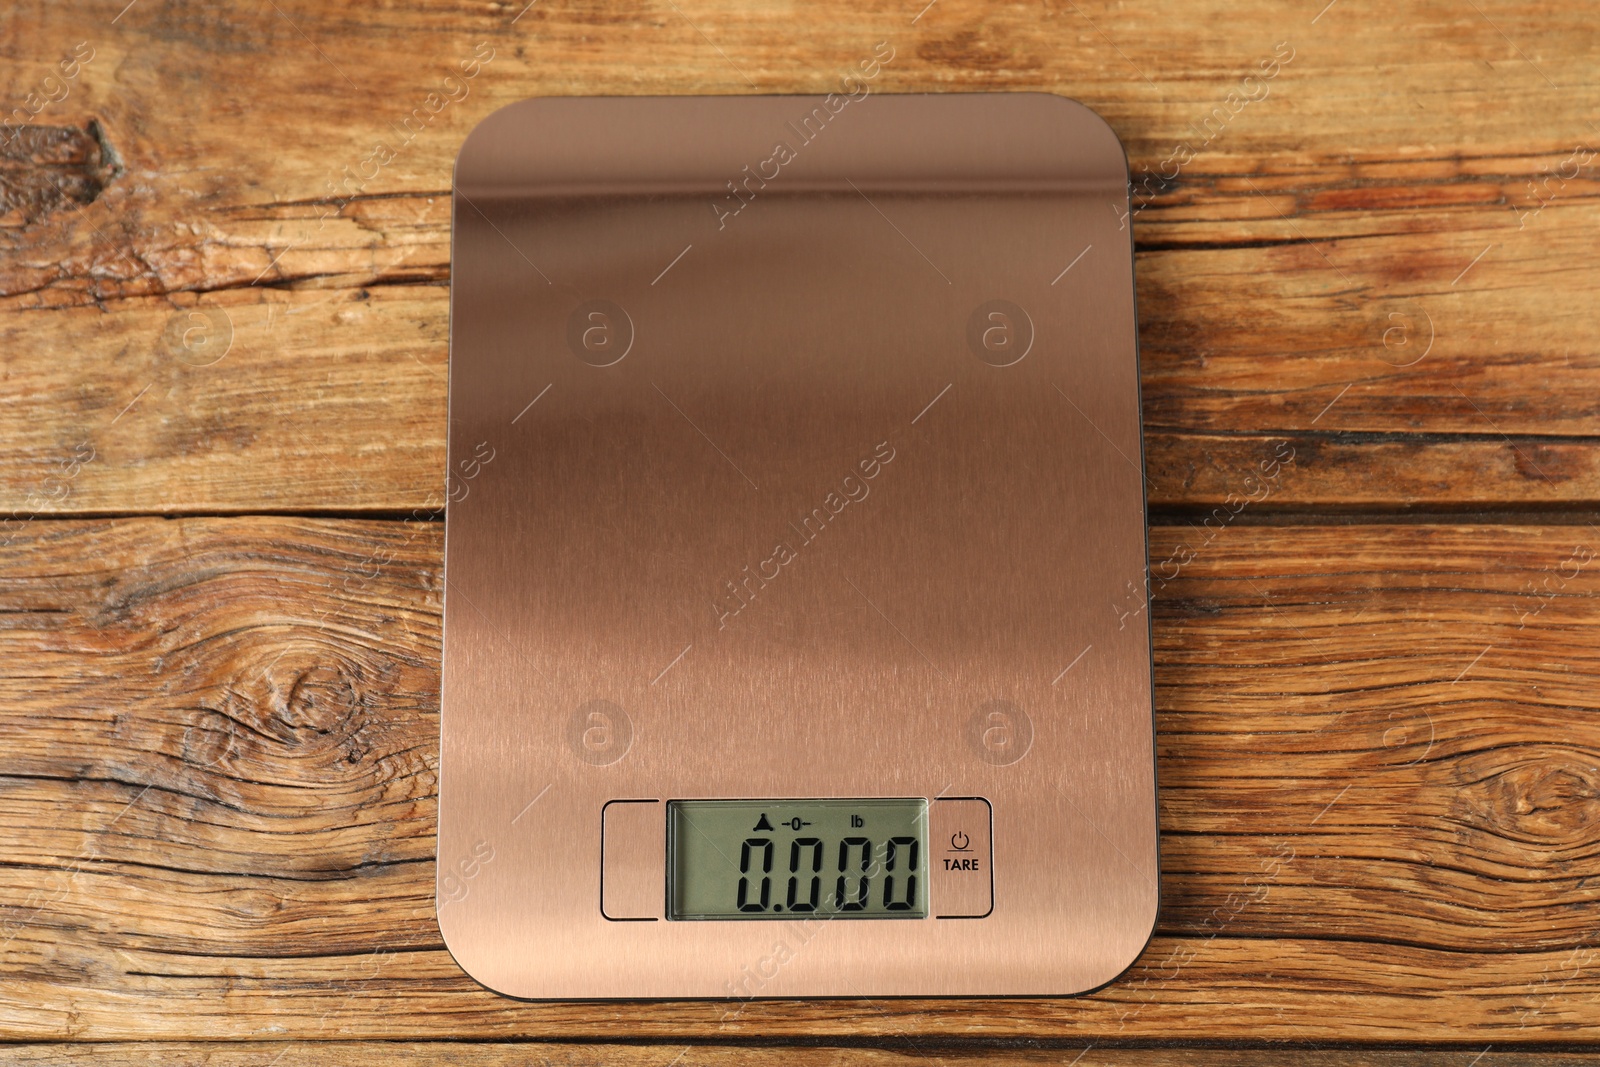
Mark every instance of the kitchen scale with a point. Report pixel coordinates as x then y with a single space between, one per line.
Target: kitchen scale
794 639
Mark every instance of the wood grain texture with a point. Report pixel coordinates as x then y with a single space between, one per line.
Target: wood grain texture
486 1054
1379 749
1379 745
1379 253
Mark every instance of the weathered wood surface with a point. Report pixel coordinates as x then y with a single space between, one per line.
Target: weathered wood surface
463 1054
1378 744
1378 749
1382 253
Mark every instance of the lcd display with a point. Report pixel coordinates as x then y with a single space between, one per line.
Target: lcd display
777 859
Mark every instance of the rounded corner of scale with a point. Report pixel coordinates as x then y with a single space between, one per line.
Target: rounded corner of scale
466 953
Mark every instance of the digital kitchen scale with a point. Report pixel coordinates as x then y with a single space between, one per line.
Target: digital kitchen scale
794 640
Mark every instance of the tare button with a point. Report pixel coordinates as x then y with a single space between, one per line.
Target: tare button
961 884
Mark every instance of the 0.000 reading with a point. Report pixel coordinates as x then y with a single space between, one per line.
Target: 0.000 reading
853 886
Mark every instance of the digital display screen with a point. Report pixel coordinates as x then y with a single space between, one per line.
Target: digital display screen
781 859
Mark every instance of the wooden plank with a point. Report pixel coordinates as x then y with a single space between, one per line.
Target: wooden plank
425 1054
1377 255
1378 754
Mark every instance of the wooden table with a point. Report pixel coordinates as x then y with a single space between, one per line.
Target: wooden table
1366 246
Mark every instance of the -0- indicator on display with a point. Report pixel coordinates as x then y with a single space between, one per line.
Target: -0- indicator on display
774 859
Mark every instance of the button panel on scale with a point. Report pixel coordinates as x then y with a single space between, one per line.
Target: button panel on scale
633 884
633 859
960 858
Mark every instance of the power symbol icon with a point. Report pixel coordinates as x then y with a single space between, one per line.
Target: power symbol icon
959 841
